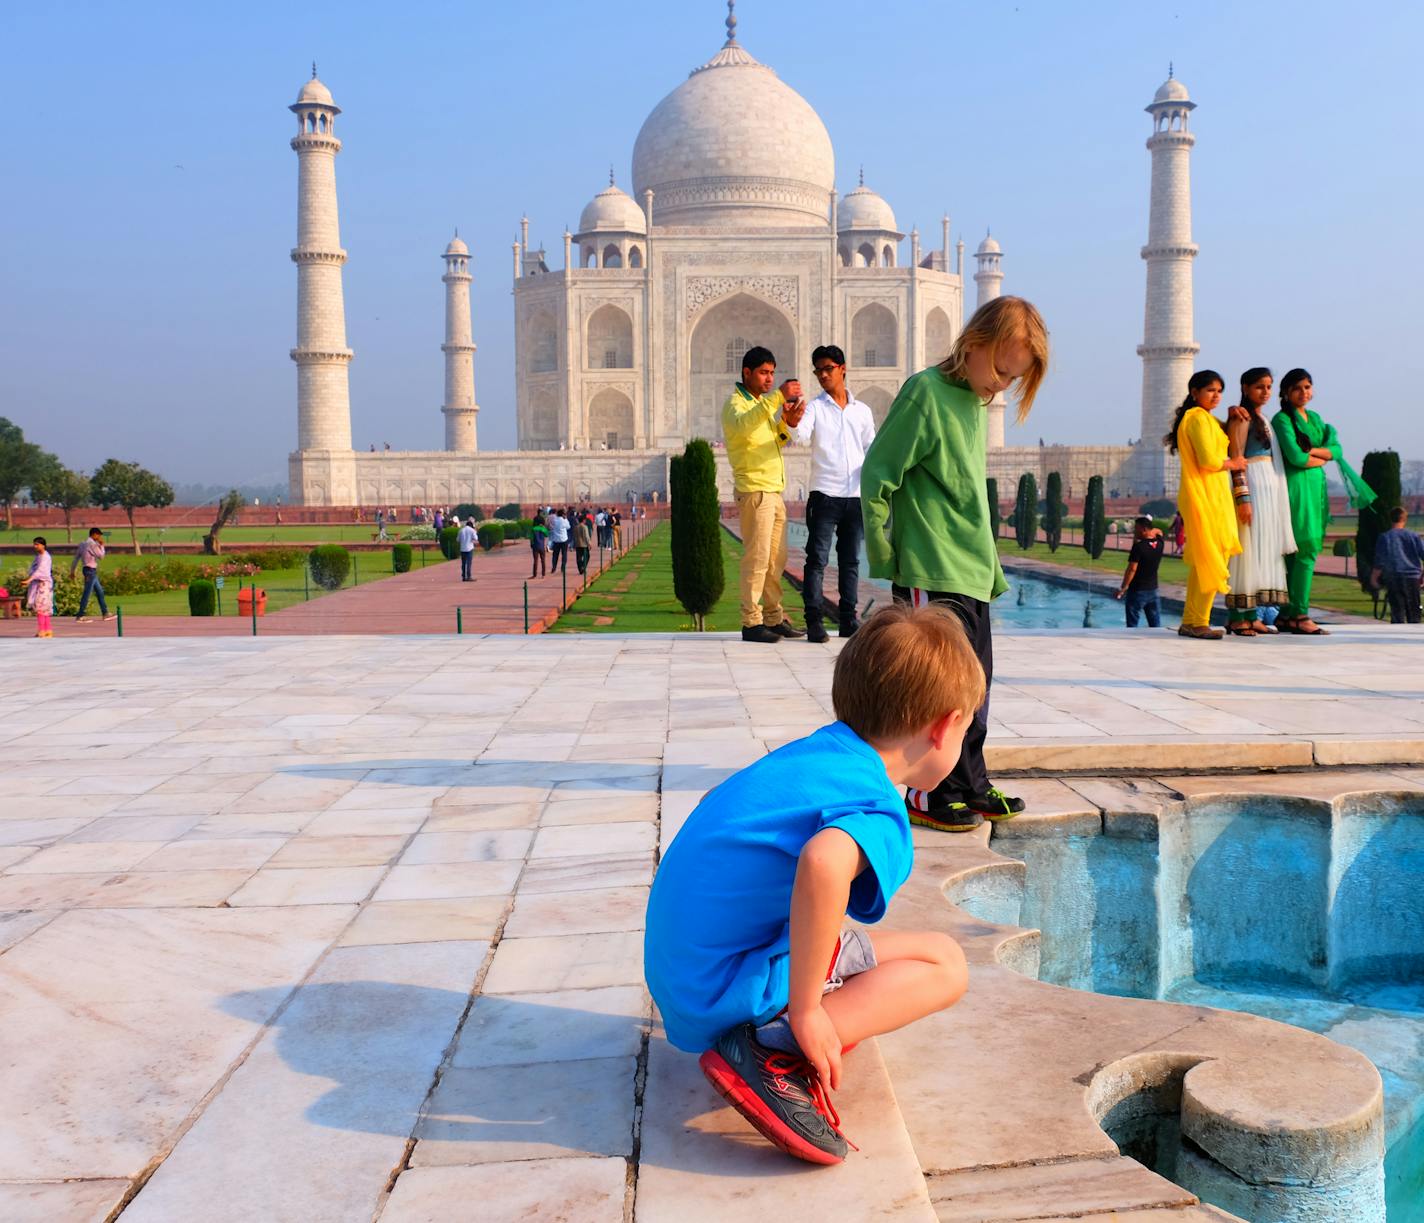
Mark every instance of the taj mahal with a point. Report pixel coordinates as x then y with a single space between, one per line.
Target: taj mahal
629 340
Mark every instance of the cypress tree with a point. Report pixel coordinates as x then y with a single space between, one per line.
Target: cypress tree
1095 519
1053 511
697 548
1380 471
677 521
995 517
1026 511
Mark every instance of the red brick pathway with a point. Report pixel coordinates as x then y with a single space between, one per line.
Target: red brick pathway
421 601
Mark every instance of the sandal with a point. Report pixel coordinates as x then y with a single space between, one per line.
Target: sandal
1242 628
1313 631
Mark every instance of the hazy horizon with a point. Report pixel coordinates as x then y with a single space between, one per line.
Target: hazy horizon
152 301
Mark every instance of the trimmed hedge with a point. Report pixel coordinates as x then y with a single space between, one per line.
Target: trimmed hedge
1160 507
423 531
509 511
330 564
400 558
490 535
465 511
1053 508
991 486
1026 511
449 542
202 597
1095 520
1380 471
698 576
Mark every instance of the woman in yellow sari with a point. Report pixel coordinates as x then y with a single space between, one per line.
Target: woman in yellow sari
1204 500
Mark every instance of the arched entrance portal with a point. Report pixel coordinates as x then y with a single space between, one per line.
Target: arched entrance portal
610 421
719 341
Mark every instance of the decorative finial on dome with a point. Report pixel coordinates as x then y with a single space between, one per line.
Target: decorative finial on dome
731 22
1169 70
862 176
313 69
610 174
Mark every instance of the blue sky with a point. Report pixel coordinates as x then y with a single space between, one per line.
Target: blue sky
149 302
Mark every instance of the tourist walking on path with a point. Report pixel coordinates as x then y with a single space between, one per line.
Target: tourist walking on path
582 536
746 951
839 430
539 546
1178 531
615 527
925 478
1204 500
87 556
1399 567
39 588
558 541
1307 443
757 423
1139 581
466 539
1257 574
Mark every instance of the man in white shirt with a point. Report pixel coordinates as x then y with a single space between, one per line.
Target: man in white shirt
558 540
839 429
466 540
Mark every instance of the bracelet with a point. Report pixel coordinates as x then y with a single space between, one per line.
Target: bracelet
1243 498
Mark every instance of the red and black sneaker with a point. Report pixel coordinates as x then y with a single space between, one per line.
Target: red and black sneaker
779 1093
995 805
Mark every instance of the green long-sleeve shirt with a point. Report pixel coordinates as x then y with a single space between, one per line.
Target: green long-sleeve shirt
924 476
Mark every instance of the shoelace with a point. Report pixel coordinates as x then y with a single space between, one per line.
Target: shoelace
784 1063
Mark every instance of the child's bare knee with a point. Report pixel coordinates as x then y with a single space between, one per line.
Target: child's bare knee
954 968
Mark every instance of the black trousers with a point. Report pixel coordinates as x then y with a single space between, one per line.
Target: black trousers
970 777
1402 593
839 517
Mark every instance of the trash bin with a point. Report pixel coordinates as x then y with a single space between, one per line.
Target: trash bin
244 602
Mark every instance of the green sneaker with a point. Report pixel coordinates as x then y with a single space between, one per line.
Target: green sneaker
949 817
995 805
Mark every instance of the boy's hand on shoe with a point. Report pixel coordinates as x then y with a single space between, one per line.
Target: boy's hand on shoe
820 1044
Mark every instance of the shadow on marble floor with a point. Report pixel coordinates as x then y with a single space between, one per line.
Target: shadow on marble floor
474 775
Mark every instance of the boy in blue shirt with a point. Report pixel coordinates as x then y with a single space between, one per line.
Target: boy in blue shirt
745 954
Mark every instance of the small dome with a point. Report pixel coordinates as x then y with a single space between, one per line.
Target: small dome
1172 90
990 246
863 209
314 91
457 246
613 210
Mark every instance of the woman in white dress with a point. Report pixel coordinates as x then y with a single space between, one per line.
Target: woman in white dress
1258 574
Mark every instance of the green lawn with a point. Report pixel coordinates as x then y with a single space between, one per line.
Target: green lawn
645 602
1337 593
285 536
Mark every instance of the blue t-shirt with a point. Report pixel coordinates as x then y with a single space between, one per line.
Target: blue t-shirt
717 948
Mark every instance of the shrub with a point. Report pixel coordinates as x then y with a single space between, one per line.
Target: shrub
449 542
466 512
400 558
698 578
1026 511
509 511
490 535
1053 511
330 563
995 516
1160 507
1095 521
521 528
272 558
423 531
1380 471
202 597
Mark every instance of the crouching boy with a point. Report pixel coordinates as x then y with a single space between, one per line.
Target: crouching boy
746 954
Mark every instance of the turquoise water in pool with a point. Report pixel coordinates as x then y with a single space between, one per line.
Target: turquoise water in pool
1275 907
1030 602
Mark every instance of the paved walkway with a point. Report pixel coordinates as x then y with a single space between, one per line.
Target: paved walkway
336 928
425 600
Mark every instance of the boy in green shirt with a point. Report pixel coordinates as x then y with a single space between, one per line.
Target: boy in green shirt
924 477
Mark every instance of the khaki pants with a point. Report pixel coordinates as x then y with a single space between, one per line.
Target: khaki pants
763 523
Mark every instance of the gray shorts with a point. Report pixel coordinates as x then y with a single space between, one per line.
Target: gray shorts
854 955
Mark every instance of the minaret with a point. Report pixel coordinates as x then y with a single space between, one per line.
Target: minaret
1168 350
323 392
990 279
460 408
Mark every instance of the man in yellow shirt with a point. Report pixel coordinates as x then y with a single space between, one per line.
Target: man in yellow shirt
756 424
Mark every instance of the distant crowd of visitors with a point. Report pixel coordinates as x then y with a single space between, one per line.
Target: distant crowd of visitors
583 527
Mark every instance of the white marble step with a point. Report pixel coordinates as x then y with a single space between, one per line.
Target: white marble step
702 1163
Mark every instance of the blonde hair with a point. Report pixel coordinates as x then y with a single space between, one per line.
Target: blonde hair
995 324
904 669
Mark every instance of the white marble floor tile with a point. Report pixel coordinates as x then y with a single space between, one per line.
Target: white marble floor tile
581 840
557 962
446 880
577 1190
582 874
234 853
392 822
60 1201
597 911
315 885
95 856
427 848
470 919
562 1026
308 851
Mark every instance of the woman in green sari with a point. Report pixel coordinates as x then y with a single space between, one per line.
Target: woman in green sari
1307 443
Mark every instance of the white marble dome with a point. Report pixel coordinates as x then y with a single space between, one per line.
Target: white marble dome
733 146
613 210
864 209
1172 90
314 91
457 246
990 246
